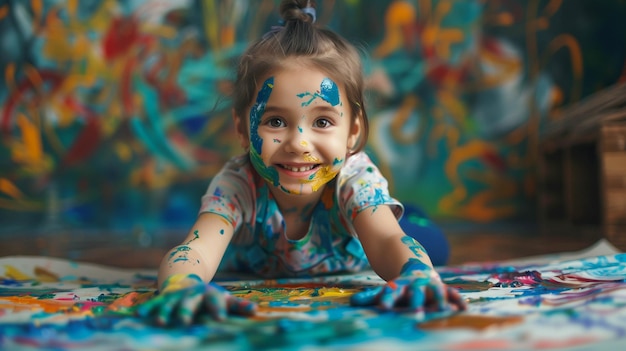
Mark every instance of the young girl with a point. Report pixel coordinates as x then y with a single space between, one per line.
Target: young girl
305 199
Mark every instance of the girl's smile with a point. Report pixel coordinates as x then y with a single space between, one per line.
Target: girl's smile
298 170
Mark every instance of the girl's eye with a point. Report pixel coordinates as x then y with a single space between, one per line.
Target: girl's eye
275 122
322 123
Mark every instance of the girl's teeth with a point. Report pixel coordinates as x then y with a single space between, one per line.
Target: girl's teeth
299 169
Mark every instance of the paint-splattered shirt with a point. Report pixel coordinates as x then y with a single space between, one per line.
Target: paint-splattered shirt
260 244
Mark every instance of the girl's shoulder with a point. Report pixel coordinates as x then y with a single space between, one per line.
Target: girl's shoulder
356 164
238 164
237 169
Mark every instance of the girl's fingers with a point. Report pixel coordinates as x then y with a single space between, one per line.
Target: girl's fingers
168 303
416 298
146 308
189 306
240 306
391 293
440 295
455 298
215 303
368 297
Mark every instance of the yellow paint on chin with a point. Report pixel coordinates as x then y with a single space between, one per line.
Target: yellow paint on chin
323 176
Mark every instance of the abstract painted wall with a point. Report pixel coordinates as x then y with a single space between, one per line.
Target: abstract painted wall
115 114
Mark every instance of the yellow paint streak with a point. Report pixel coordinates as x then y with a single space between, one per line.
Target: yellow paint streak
211 23
178 281
45 276
484 205
15 273
123 151
37 8
453 105
7 187
410 103
476 322
30 303
335 292
30 150
323 176
399 14
9 75
310 158
569 42
228 36
71 6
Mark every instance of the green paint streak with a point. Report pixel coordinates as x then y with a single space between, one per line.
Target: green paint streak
413 245
270 174
196 236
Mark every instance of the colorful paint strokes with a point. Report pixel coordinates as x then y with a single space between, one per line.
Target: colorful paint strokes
564 304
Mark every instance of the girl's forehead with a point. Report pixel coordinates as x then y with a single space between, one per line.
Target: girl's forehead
297 79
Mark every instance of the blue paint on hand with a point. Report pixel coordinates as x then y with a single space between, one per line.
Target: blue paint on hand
366 298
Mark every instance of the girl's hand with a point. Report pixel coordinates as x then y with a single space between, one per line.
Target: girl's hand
185 298
418 289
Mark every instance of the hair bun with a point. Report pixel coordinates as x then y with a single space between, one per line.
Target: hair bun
298 10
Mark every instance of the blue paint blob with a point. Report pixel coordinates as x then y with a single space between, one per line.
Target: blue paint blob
329 91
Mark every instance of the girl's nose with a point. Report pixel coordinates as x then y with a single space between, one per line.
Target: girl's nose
297 143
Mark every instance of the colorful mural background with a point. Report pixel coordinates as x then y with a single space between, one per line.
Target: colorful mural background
115 114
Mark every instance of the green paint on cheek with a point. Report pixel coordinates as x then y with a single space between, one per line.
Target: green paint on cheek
270 174
221 231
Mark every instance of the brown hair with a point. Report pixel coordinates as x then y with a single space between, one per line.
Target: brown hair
300 38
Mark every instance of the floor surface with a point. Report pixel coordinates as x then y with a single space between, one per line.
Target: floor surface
468 242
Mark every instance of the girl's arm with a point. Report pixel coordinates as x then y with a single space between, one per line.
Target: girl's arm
412 282
185 291
200 253
386 245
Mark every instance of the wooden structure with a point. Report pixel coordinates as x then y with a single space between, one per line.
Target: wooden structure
582 168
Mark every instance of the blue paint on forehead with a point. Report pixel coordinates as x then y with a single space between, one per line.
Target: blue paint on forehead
329 91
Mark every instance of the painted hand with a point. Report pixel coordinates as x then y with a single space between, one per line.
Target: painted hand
418 289
186 298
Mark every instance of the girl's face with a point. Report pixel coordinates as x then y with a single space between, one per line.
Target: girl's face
300 129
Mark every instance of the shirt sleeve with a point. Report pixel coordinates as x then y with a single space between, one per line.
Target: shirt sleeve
362 185
230 192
